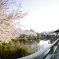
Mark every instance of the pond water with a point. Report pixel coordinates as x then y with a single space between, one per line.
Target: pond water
43 44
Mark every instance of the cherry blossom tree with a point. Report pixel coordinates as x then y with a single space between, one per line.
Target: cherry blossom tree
9 11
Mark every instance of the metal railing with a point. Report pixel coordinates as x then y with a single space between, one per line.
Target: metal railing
43 53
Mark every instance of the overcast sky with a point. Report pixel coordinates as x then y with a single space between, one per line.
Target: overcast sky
43 15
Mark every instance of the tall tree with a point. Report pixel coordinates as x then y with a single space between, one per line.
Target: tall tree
9 11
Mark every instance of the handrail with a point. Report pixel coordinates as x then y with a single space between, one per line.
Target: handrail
40 52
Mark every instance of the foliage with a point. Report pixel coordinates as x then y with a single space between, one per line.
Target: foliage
22 51
12 51
37 38
27 39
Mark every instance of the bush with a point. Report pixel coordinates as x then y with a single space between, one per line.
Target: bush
9 51
22 51
23 40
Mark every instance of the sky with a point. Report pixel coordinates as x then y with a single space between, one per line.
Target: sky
43 15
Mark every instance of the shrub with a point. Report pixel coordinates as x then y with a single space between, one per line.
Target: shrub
22 51
8 51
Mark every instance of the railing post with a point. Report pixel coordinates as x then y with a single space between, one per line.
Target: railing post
51 50
56 43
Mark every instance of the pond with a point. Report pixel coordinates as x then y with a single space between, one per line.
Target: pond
43 44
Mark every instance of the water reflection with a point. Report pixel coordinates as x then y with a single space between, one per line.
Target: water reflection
43 44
